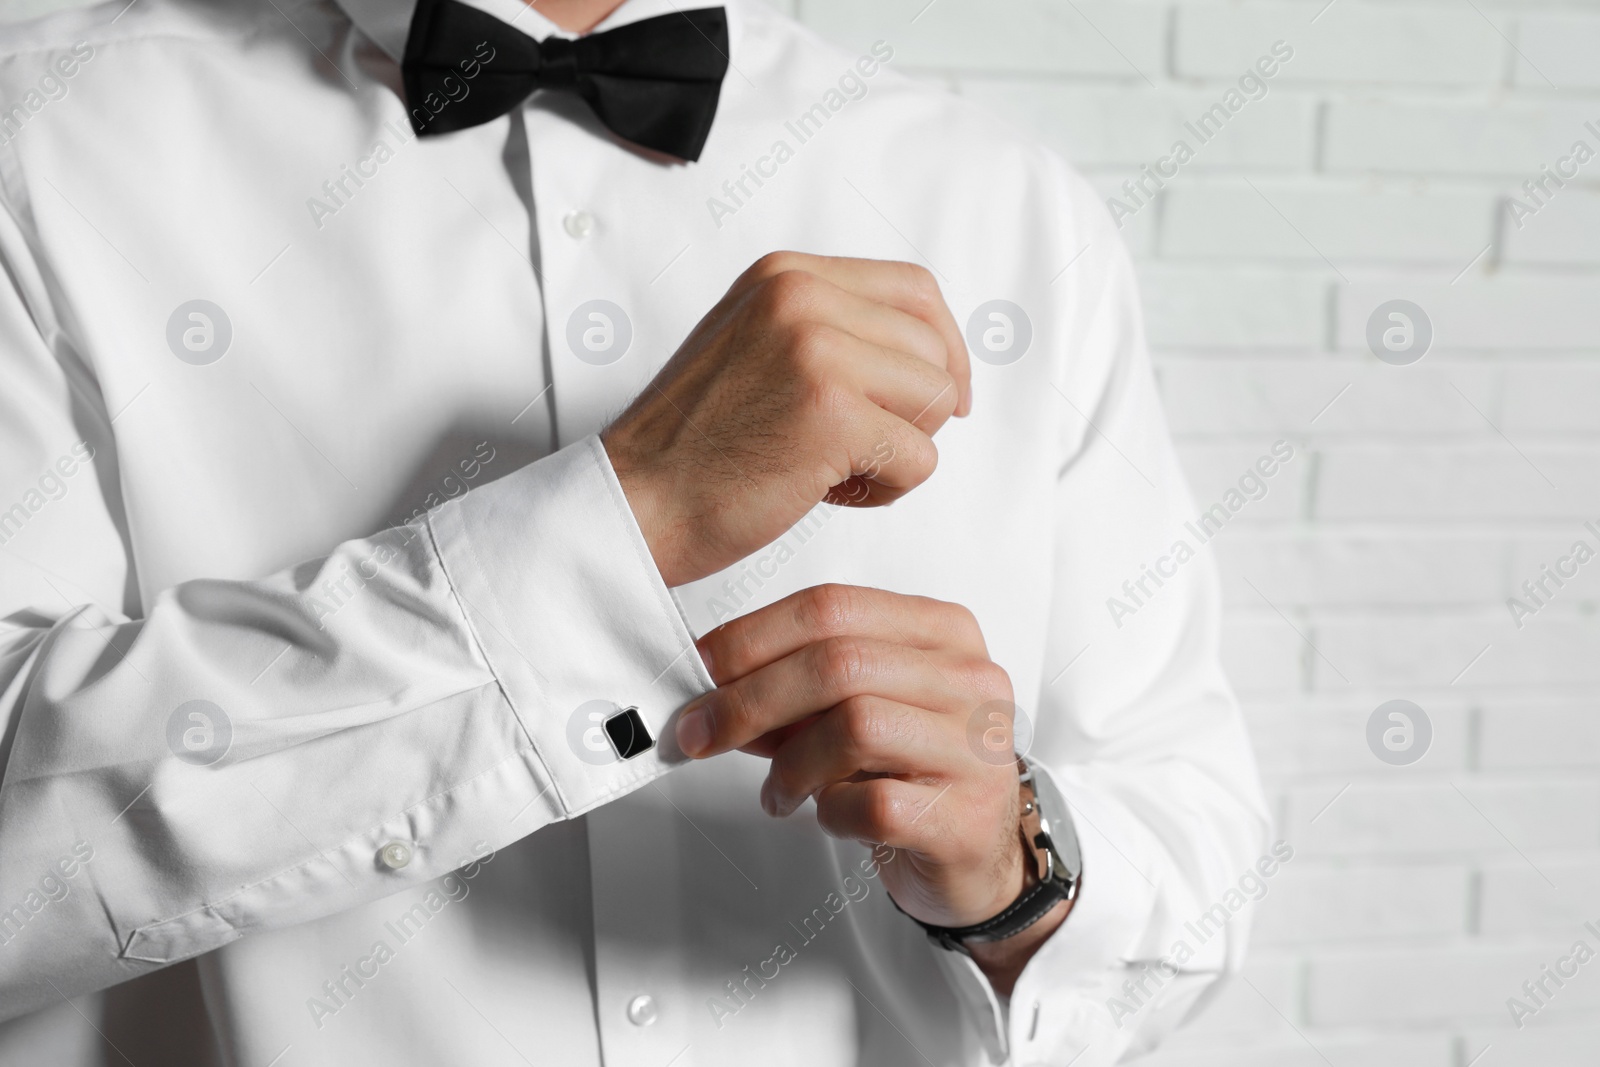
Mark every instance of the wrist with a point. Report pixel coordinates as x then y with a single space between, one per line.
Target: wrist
1003 959
1003 962
1041 880
649 506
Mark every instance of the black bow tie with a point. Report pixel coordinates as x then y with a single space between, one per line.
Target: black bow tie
653 82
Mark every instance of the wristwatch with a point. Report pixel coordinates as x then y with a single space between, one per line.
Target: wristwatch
1049 838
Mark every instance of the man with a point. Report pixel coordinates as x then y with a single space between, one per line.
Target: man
323 282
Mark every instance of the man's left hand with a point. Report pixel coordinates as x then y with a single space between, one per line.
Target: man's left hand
866 700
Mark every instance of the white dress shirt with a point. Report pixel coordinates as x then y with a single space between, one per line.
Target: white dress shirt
314 592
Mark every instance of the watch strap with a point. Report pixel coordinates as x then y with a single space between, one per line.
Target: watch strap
1035 901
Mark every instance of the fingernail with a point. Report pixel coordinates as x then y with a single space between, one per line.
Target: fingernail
767 804
694 730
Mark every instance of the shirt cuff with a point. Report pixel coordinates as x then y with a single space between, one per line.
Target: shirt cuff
559 587
1057 1010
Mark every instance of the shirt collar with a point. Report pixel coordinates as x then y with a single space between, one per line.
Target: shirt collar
388 22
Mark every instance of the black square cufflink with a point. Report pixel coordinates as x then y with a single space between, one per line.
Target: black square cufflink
628 734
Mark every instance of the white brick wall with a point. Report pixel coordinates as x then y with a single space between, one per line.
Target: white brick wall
1381 159
1421 897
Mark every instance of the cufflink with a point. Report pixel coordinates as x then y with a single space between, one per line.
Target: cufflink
628 734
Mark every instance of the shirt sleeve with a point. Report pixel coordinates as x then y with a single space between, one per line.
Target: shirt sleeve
246 755
1135 721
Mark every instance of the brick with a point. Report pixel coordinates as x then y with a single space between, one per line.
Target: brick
1388 568
1551 398
1536 565
1438 819
1234 308
1125 127
1422 651
1562 227
1347 223
1414 137
1214 469
1033 36
1430 482
1507 314
1557 47
1262 654
1537 1046
1362 902
1207 396
1292 744
1515 736
1557 898
1138 231
1420 985
1241 1008
1433 44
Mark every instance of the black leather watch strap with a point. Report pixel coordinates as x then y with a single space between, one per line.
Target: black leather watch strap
1034 903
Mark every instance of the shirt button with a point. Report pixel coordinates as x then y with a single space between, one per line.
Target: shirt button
394 855
642 1010
579 224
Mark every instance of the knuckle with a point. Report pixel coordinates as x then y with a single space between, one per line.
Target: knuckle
832 609
788 293
842 663
820 400
988 679
959 614
962 621
881 810
828 403
861 725
920 284
736 647
731 714
773 264
916 455
810 345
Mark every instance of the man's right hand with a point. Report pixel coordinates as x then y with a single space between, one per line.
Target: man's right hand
813 378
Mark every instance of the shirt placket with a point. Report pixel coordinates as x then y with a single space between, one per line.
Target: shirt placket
642 988
642 1008
592 328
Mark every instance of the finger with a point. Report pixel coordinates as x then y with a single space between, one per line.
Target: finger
914 290
891 456
885 324
768 634
895 382
862 735
973 680
766 746
883 458
886 811
896 359
906 286
812 680
918 392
